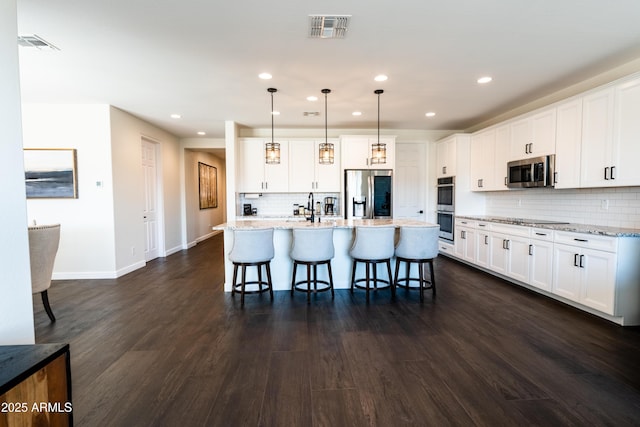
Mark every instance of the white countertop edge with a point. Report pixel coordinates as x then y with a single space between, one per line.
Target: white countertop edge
335 223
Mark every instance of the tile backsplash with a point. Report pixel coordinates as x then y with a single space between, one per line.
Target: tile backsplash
618 207
281 204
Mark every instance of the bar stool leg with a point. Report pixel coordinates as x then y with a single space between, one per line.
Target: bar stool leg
421 280
308 284
315 277
293 279
330 279
268 268
353 274
433 278
235 277
408 272
367 265
244 277
391 283
395 278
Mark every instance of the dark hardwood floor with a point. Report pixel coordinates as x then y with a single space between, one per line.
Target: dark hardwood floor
165 345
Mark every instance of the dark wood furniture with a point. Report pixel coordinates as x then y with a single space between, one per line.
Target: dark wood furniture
35 385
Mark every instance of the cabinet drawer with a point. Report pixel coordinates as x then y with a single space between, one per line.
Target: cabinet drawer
591 241
466 223
542 234
512 230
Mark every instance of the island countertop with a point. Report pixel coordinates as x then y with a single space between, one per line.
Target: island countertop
287 224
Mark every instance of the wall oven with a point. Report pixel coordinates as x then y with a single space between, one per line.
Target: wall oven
445 206
445 221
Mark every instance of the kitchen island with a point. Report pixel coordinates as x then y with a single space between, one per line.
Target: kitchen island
282 265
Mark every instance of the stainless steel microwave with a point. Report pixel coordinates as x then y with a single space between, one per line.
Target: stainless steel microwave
533 172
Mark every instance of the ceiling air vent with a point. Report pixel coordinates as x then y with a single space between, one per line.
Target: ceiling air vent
328 26
35 41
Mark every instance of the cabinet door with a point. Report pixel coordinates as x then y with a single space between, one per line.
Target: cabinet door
355 152
250 172
626 146
470 245
327 176
518 258
543 127
483 241
482 160
598 280
276 176
566 275
502 146
446 157
498 253
597 136
521 138
541 264
568 144
301 166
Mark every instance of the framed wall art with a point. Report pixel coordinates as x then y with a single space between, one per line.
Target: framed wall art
50 173
208 186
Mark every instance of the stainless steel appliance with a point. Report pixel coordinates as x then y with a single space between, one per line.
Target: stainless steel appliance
368 193
445 221
446 194
446 206
534 172
330 205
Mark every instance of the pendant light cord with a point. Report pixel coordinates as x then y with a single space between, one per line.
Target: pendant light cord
378 92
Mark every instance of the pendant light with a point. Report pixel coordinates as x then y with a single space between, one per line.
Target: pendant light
272 149
378 150
325 153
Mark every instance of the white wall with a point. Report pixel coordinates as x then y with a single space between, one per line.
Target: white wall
127 133
87 239
200 221
16 308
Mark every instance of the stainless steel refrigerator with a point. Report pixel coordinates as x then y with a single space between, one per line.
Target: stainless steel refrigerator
368 193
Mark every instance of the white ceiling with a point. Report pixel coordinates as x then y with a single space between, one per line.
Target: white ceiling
201 59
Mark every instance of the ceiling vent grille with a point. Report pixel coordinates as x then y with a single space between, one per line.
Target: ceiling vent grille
328 26
35 41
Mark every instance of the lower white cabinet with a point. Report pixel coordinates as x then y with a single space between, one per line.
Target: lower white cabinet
465 240
585 275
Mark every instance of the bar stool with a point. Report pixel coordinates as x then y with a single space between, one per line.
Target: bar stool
372 246
417 245
312 247
253 247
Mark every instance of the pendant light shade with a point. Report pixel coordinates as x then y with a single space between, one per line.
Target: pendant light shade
326 151
272 149
378 150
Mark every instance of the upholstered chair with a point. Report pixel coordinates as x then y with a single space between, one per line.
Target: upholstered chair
43 246
372 246
252 247
417 245
312 247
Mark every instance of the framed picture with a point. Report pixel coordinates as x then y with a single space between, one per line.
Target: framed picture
208 185
50 173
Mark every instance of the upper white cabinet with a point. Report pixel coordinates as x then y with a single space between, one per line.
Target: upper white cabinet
501 158
305 171
446 156
534 135
597 139
254 175
568 144
482 160
626 134
356 152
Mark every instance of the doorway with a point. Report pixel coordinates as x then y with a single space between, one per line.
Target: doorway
411 181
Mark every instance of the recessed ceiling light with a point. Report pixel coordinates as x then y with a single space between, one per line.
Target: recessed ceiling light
265 76
380 78
312 98
202 133
430 114
356 113
275 113
176 116
485 79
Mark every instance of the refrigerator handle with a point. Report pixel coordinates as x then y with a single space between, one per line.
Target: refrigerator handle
370 194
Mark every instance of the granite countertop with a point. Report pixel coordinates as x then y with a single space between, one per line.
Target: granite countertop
602 230
284 224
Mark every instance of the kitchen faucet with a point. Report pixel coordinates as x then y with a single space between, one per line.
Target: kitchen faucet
310 206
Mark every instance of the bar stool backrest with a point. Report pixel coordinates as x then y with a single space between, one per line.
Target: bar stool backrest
373 243
254 245
312 244
418 242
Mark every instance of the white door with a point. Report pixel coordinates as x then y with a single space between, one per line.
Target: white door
411 182
150 210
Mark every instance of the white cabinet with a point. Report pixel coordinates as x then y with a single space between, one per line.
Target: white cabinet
356 152
483 245
482 160
626 134
534 135
446 157
254 175
568 144
597 139
585 274
541 259
305 171
465 240
501 158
